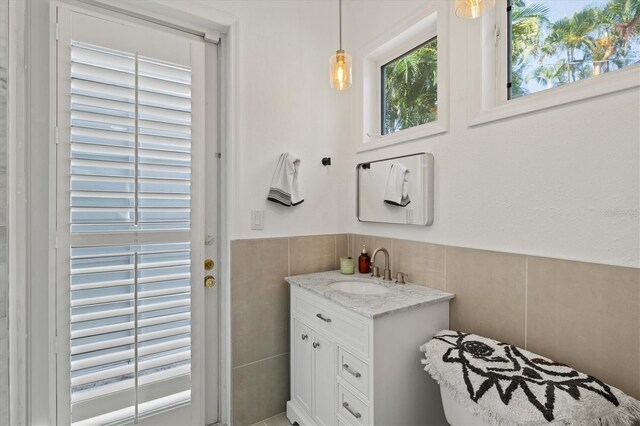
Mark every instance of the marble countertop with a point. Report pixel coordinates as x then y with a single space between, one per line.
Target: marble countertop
400 296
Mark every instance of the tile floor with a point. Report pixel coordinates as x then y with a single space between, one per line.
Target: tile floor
279 420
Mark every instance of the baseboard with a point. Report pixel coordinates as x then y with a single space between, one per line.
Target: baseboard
295 414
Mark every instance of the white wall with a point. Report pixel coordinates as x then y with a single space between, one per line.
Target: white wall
286 104
558 183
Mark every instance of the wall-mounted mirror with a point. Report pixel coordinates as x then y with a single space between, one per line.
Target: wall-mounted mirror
396 190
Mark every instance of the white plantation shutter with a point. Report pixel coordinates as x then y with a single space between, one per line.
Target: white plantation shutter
129 172
130 249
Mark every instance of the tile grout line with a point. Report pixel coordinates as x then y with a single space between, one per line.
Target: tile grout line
351 242
349 251
273 417
526 298
288 257
393 243
260 360
445 268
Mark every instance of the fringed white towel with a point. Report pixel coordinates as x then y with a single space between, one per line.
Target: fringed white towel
397 188
285 184
507 385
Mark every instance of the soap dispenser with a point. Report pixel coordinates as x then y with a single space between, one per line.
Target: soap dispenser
364 261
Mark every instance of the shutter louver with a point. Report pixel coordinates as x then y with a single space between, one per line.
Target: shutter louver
130 177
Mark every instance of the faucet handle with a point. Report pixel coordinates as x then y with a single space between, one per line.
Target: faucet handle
386 275
401 277
375 271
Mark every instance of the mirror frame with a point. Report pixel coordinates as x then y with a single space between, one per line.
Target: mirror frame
428 188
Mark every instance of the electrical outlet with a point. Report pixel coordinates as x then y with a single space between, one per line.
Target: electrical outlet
257 220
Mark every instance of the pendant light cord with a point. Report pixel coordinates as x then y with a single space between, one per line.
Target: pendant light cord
340 22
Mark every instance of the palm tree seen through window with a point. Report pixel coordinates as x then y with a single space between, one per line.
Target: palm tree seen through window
554 42
410 89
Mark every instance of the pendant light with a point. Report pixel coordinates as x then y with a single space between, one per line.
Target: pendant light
340 63
472 9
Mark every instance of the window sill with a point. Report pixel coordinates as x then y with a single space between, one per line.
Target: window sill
615 81
402 136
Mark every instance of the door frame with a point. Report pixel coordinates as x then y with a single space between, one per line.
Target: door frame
69 20
32 322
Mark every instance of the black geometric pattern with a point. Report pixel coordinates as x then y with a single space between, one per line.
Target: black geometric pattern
505 368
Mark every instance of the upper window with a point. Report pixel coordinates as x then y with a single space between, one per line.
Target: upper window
554 42
410 88
405 84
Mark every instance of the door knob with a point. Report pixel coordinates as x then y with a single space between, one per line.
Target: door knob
209 264
209 281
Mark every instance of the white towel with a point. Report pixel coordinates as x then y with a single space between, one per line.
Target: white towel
397 189
507 385
285 185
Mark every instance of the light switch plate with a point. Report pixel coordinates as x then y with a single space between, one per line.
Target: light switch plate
257 220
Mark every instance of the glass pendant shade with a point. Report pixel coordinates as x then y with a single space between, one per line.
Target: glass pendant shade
340 70
472 9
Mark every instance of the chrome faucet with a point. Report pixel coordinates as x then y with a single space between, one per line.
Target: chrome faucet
387 272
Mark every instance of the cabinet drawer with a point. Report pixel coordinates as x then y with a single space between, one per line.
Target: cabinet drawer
354 371
352 408
333 320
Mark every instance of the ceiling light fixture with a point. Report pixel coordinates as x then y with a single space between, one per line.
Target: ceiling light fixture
340 63
472 9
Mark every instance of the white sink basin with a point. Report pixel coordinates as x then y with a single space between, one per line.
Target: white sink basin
359 287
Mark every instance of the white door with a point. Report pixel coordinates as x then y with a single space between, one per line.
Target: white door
324 379
302 365
131 203
211 225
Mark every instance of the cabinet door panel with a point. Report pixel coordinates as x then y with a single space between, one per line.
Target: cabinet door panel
302 365
324 375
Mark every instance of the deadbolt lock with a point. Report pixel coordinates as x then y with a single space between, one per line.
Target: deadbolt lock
209 281
209 264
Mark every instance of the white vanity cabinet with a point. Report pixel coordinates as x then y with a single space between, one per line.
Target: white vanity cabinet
348 369
313 368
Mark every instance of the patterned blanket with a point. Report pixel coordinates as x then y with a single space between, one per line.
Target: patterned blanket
507 385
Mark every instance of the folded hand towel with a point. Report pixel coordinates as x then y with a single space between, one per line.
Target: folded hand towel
285 186
397 189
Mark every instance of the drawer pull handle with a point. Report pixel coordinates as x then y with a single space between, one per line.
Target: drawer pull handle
353 413
350 371
316 345
323 318
304 337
